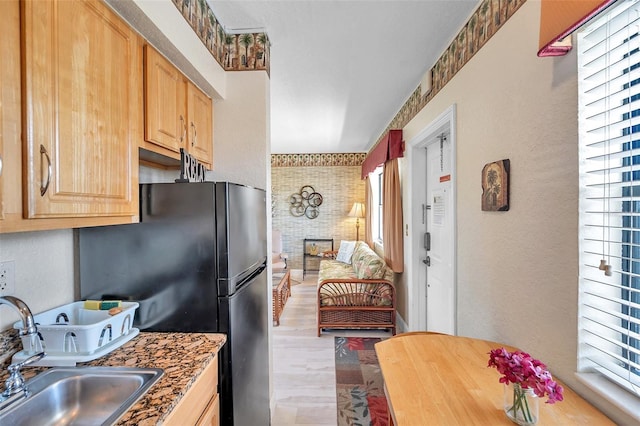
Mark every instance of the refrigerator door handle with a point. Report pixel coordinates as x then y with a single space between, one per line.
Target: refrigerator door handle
228 286
255 273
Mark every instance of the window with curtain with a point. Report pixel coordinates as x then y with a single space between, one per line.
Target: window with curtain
609 113
376 216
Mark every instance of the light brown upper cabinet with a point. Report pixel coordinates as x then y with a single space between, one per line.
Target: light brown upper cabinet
10 143
165 106
82 102
177 113
200 135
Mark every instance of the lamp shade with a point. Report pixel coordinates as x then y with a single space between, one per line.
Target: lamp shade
357 210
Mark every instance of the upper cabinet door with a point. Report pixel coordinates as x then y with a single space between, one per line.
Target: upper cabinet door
176 113
10 143
200 108
82 98
165 102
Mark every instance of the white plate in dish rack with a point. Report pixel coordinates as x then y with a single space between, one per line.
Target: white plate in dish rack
69 359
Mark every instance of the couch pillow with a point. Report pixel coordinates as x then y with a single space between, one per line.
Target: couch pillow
367 264
345 252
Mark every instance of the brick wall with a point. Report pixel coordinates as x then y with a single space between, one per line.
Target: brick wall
340 187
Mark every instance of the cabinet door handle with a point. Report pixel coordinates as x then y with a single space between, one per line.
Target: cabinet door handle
45 186
0 165
184 128
195 134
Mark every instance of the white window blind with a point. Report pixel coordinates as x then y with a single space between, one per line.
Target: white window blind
609 101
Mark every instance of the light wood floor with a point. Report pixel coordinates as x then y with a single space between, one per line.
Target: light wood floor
304 379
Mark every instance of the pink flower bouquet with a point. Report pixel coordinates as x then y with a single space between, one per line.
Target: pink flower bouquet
524 372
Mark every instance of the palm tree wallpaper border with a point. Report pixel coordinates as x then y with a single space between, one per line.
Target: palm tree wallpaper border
234 52
318 160
495 186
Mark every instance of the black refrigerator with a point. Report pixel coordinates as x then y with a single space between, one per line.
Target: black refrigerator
196 262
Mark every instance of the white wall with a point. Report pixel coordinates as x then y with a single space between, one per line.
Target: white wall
43 264
517 270
241 139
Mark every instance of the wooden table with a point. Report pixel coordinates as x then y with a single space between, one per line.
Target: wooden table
435 379
281 293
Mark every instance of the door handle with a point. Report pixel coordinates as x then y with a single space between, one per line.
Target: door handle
44 185
427 261
183 125
427 241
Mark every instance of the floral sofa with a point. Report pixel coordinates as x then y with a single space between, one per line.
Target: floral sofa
359 294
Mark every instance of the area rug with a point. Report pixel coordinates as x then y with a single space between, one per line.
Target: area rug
359 384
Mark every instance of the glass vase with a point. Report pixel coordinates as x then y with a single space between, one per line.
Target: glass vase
520 405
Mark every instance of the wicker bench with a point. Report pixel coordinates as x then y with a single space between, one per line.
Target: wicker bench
356 295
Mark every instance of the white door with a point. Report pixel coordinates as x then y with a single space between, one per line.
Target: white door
438 239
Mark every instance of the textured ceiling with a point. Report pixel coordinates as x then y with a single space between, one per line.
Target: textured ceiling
341 70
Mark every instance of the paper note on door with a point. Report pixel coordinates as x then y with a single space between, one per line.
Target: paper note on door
439 207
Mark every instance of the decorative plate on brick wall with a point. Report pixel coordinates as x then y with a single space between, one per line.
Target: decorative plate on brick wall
306 203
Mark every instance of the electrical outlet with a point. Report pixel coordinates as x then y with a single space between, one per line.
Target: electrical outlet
7 277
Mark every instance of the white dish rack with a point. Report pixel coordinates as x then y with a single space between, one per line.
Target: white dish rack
72 332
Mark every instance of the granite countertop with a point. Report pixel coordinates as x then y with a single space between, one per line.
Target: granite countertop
182 356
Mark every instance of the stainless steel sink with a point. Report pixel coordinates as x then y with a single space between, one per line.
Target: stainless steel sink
78 396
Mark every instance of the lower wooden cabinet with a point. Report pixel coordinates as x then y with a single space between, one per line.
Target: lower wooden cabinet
200 405
211 416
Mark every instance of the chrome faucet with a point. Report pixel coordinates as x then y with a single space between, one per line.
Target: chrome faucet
28 324
15 383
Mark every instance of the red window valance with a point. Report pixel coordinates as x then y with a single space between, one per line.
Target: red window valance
390 147
559 18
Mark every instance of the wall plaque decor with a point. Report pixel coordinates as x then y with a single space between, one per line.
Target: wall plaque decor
305 203
495 186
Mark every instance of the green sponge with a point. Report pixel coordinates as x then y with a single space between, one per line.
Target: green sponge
102 305
108 304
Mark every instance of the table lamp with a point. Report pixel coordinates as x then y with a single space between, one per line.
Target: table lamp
357 211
